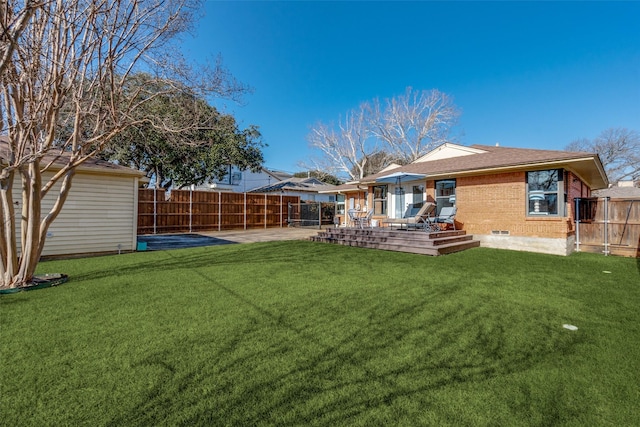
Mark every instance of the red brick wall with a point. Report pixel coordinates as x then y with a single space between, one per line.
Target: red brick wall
575 188
497 202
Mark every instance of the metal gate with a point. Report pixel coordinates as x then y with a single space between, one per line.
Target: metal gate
311 214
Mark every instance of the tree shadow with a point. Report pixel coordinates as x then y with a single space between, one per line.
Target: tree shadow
389 353
189 259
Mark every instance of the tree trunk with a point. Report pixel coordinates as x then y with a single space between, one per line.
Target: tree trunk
17 271
8 252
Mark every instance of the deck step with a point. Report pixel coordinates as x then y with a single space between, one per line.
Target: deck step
413 241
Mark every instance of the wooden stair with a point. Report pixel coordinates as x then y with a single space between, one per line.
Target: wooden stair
413 241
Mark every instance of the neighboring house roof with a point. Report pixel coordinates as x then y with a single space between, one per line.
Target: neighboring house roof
345 188
389 167
311 185
448 150
485 159
618 193
58 161
279 175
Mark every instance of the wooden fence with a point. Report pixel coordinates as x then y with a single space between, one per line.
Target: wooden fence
608 226
190 211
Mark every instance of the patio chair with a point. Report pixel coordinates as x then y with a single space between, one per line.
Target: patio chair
447 215
420 218
352 215
364 221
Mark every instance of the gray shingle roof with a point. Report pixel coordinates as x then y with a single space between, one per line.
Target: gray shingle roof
503 158
58 161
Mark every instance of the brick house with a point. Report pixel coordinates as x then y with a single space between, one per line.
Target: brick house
509 198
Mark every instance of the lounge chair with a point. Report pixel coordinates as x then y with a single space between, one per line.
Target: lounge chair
419 219
447 215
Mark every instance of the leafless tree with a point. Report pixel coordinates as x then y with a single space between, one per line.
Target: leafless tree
12 24
398 130
413 123
619 151
345 148
65 65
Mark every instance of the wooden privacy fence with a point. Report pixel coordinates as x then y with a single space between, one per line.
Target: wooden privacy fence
608 226
188 211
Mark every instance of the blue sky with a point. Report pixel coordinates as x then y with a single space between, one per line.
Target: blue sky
524 74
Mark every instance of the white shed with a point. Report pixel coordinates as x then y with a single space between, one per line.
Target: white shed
100 213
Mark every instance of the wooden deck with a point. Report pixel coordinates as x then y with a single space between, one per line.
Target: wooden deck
413 241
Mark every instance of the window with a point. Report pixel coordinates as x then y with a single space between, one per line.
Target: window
418 196
445 193
380 200
232 177
340 204
545 193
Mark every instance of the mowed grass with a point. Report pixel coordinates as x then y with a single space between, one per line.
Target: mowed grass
303 333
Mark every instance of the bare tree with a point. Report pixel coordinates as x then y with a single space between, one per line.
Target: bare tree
12 24
413 123
619 151
346 147
65 65
400 130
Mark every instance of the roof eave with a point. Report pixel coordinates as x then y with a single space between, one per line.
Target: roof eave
583 167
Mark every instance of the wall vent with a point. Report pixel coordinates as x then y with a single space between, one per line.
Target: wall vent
500 232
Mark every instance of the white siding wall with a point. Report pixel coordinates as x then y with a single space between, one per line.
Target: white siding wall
100 215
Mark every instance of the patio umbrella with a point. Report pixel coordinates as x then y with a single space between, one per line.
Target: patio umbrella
396 178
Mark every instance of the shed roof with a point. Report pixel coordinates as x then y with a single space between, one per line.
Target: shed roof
59 160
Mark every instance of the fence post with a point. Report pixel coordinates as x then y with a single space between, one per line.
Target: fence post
265 210
155 209
280 221
219 212
191 209
245 211
577 218
606 226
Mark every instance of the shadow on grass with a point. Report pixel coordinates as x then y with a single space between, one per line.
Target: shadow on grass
191 259
390 359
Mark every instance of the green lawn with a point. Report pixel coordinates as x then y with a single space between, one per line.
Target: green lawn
303 333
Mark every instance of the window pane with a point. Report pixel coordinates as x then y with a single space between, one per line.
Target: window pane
543 189
546 205
418 195
546 180
445 194
340 204
380 200
445 188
